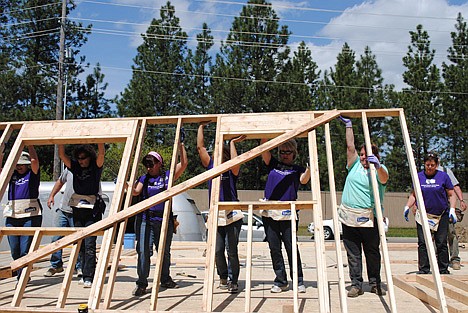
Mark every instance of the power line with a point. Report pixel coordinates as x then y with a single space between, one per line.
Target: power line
32 8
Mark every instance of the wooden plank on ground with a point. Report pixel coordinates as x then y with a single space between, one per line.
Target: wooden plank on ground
167 194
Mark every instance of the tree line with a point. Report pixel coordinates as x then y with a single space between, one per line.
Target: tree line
254 70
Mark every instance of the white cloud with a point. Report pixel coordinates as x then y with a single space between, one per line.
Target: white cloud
387 34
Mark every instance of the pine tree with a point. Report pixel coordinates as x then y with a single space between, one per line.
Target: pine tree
421 100
455 76
249 62
90 101
34 42
159 80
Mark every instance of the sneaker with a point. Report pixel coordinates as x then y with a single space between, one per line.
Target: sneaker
278 289
378 290
79 273
170 284
444 272
52 271
223 284
355 292
456 265
139 291
422 272
81 281
301 289
233 288
87 284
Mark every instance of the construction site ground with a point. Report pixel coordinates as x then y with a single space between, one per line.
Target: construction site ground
188 270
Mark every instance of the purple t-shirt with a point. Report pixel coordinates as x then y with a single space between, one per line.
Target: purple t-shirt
228 189
155 185
24 186
434 191
283 181
86 180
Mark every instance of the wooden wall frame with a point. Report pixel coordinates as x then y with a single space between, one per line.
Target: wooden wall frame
278 126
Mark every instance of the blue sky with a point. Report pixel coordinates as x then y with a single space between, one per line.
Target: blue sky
324 25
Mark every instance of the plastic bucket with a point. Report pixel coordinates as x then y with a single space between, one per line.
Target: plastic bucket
129 241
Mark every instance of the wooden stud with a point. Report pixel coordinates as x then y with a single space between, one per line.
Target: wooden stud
422 208
120 237
26 272
322 280
336 225
63 294
378 211
165 222
294 264
248 262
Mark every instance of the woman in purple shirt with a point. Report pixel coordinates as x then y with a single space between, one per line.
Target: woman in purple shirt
282 183
439 200
23 208
149 223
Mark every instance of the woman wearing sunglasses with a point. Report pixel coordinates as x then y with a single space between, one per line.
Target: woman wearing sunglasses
87 169
149 223
282 183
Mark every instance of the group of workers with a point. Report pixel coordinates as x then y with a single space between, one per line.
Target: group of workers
356 212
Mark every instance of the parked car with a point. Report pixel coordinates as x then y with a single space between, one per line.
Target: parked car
258 231
329 230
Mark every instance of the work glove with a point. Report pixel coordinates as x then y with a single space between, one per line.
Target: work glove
406 212
374 160
346 121
452 215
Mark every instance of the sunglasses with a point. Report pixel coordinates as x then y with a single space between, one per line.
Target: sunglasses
285 152
148 163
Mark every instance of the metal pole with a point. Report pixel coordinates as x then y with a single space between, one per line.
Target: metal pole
59 106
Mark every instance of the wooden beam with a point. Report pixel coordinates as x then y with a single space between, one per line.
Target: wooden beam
167 194
262 205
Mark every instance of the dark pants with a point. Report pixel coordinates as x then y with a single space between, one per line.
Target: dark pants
227 238
84 218
277 232
19 245
356 239
440 240
147 234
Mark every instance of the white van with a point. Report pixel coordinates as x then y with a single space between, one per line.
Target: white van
191 227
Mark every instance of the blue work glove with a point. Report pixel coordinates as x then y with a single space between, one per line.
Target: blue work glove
406 212
374 160
452 216
346 121
182 134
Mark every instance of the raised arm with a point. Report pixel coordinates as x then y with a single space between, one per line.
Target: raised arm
101 154
34 159
236 169
182 165
305 177
351 153
63 156
204 156
266 156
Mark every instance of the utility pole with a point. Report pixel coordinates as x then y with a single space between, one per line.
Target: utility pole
59 105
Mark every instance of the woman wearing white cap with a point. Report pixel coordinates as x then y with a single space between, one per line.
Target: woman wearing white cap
23 208
148 224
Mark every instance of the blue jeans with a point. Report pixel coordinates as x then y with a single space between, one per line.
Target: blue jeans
62 219
440 240
277 232
19 245
227 237
147 234
355 240
84 218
